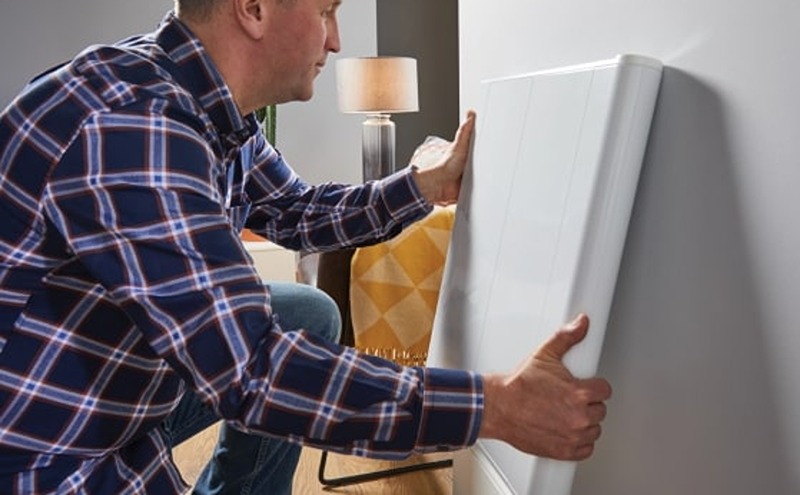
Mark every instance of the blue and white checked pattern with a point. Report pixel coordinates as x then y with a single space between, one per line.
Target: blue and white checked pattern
126 176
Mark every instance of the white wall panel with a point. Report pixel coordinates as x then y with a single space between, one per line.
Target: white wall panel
540 228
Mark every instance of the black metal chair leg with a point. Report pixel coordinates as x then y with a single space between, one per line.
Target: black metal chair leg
375 475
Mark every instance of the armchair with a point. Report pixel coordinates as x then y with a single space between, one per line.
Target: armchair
387 296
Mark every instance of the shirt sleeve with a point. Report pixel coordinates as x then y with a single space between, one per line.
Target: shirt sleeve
299 216
136 200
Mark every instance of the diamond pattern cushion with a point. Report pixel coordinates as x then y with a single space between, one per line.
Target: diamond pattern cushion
394 289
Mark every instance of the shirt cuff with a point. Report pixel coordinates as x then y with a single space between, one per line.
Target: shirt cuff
452 410
402 196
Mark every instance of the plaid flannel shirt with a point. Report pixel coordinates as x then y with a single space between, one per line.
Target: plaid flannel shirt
126 176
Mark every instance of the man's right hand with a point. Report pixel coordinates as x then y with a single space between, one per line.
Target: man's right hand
541 408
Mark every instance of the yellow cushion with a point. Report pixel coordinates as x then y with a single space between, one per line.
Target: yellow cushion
394 289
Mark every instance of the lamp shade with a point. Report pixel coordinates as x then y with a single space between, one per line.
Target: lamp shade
377 84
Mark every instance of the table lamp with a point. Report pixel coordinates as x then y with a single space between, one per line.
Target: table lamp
377 87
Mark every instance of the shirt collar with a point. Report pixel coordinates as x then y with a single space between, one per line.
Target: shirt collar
195 70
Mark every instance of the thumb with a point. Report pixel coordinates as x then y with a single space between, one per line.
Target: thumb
564 339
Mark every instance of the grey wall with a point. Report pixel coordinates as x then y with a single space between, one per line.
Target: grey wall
319 142
428 31
36 34
703 339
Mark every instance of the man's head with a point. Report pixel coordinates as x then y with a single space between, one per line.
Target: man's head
269 51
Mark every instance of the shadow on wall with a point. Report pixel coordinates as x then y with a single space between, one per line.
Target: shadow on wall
694 411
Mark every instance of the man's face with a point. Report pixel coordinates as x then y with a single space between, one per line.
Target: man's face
301 34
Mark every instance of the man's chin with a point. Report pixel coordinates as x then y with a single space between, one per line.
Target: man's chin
300 96
308 93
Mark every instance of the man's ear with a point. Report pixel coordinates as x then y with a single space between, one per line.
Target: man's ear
251 16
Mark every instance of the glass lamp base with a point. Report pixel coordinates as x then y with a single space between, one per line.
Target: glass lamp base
377 146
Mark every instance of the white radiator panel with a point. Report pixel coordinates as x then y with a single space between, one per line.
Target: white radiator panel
539 234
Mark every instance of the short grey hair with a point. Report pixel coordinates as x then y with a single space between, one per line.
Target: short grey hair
198 10
201 10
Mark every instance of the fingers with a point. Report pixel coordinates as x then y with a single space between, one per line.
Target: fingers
464 134
563 340
579 444
595 390
596 412
583 452
586 448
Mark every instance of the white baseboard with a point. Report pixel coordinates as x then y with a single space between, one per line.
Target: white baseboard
474 473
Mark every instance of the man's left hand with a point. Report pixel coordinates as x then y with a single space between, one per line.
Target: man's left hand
440 183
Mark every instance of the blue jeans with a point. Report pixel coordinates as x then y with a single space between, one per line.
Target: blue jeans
245 463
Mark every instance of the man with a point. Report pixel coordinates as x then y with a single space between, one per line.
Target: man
131 316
